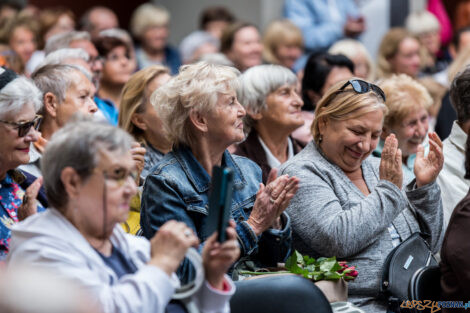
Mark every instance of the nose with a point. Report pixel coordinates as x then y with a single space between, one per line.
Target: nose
297 100
364 144
241 110
422 128
32 135
92 108
130 186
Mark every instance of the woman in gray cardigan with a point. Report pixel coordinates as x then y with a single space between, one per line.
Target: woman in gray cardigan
354 207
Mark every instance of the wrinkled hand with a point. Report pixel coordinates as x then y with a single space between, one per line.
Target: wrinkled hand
391 162
218 257
169 245
30 204
138 154
427 168
354 26
271 201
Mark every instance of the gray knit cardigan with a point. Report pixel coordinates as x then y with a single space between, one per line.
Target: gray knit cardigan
330 216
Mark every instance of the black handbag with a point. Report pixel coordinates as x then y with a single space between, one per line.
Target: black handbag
400 265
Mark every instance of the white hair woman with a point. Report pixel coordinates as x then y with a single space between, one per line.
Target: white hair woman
352 206
269 95
89 179
20 100
202 117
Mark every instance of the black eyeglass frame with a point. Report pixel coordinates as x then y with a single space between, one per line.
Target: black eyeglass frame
361 86
25 127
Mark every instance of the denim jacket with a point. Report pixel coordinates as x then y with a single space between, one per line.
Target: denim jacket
177 188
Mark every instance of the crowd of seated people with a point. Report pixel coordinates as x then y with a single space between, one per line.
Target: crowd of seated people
110 137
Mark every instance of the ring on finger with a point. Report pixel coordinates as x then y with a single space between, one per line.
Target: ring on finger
272 200
187 233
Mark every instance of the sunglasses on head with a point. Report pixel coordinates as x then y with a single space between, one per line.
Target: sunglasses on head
361 86
24 127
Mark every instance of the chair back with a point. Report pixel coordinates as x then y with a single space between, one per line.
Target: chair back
425 284
279 294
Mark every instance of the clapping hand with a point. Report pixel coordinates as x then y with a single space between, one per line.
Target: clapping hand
271 201
427 168
29 205
390 164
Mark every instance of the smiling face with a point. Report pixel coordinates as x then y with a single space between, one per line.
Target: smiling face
15 149
411 131
283 109
348 142
246 48
224 123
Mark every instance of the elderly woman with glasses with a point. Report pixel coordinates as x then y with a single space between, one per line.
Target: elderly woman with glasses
20 99
354 207
89 178
202 117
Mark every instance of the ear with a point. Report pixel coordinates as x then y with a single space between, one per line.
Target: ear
198 120
50 104
322 124
253 115
385 132
138 120
71 181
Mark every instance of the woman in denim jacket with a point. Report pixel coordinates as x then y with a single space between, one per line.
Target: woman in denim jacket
201 114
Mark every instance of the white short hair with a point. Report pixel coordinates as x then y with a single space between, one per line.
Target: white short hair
419 23
196 88
148 15
57 78
63 40
257 83
17 94
58 56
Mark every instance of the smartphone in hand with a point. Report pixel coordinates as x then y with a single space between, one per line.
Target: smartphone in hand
220 200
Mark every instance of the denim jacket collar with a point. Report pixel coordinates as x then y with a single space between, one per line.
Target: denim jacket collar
198 175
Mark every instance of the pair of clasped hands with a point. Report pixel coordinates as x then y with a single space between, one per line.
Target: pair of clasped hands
426 167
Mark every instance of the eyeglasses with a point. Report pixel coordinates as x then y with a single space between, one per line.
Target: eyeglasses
119 175
24 127
361 86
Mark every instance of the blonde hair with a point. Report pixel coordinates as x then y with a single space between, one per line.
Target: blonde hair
388 49
404 95
133 98
148 15
341 105
195 88
351 48
280 32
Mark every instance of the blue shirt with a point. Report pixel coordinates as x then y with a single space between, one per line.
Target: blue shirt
108 109
177 188
321 21
11 196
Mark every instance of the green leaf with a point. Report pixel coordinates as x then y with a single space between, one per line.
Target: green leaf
291 262
318 276
328 265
